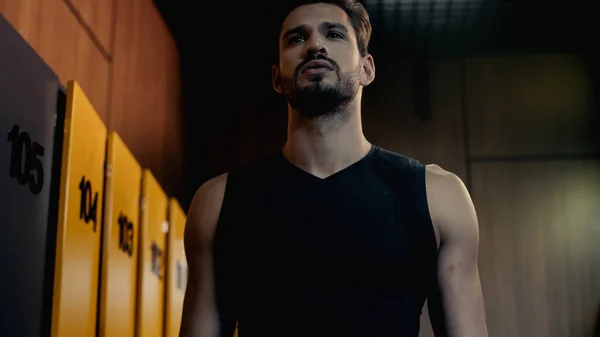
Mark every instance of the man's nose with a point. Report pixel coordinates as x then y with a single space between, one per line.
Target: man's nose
315 46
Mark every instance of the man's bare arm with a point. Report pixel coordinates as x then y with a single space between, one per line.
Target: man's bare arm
453 214
200 317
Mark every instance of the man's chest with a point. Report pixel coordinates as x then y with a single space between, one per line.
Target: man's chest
339 228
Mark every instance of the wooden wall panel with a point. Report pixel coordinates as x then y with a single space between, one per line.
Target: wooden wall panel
145 90
56 35
530 105
539 256
97 15
389 116
173 147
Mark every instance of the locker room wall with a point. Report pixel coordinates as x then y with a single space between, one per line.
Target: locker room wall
126 61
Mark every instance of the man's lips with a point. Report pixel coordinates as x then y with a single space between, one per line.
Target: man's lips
316 66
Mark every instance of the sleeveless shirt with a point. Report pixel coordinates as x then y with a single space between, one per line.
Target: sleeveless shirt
353 254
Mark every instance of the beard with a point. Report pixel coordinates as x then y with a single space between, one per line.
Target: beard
319 99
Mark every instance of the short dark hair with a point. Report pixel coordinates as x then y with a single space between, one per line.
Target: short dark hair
357 14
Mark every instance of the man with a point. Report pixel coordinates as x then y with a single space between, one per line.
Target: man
332 236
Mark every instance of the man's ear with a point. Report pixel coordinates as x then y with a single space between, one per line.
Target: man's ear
367 74
276 78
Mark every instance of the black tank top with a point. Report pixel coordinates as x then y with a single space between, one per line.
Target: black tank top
353 254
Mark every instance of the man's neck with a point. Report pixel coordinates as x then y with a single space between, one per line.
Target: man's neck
325 146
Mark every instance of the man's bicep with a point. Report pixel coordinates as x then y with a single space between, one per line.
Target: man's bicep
200 315
457 271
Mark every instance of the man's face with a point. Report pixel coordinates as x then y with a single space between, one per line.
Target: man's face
319 63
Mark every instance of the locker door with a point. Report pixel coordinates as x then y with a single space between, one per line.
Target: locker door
177 269
153 239
79 218
28 104
120 241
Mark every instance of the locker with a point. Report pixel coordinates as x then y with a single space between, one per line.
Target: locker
120 250
79 218
152 271
28 110
177 269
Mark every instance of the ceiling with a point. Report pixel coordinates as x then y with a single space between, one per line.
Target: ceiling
456 27
427 27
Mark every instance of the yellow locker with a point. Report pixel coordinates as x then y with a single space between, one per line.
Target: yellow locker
152 272
177 269
118 290
79 223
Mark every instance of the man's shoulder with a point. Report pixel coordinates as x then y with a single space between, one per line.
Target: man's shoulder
204 211
213 185
442 181
450 205
209 190
246 172
396 159
433 172
398 167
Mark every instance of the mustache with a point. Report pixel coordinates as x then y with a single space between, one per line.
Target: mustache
313 58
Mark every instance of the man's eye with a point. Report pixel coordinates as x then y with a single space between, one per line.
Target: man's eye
295 39
335 35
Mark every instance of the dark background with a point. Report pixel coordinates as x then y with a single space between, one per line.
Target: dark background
502 93
226 51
